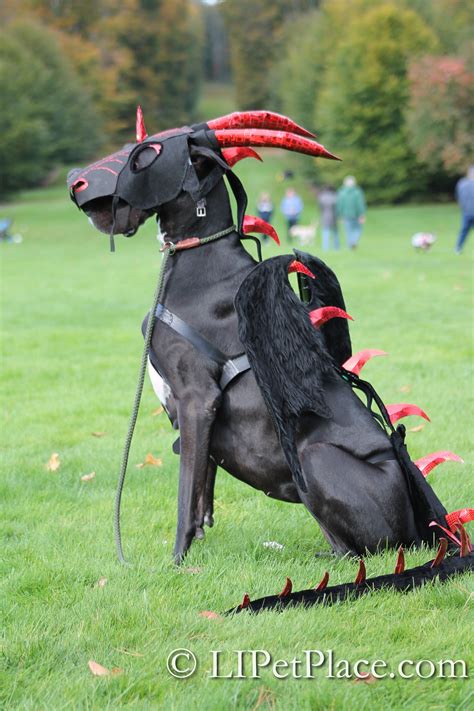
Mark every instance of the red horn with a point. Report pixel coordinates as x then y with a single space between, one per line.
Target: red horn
361 573
258 119
325 313
233 155
256 224
460 516
430 461
245 602
466 546
287 589
323 582
441 552
445 530
400 564
296 266
140 125
356 362
402 409
272 139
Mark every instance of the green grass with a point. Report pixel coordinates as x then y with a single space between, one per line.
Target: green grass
71 318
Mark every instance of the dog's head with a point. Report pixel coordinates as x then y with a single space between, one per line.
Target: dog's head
119 192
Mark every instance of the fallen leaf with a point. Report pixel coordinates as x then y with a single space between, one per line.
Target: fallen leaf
101 583
150 460
365 678
156 412
405 389
98 669
98 434
417 428
53 463
88 477
210 615
192 571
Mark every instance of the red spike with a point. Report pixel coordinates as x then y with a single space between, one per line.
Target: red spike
445 530
272 139
355 363
256 224
400 564
442 548
233 155
459 516
140 125
361 574
259 119
296 266
245 602
325 313
323 583
287 589
466 546
430 461
402 409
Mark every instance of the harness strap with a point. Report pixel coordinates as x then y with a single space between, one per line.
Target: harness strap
231 367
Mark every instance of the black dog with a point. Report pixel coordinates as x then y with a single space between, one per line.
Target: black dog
291 425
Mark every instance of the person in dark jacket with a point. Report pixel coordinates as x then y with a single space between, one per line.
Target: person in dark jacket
351 207
464 192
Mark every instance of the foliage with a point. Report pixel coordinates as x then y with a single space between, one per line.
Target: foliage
254 31
440 113
43 108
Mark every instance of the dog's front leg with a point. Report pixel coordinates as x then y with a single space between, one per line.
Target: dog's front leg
206 500
196 417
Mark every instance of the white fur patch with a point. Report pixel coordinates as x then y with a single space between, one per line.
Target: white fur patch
161 388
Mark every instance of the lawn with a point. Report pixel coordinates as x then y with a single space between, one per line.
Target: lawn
71 315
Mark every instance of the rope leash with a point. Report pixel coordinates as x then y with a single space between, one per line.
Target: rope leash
168 249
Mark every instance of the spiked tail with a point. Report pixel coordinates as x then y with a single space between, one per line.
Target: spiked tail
440 569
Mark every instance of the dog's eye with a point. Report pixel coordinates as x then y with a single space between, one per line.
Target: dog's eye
144 156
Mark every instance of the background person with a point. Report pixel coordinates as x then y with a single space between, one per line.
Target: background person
291 207
327 198
464 192
351 207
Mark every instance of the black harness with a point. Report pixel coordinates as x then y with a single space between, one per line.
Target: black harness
231 367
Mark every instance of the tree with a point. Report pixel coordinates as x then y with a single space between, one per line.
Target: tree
255 34
161 63
43 108
440 113
361 109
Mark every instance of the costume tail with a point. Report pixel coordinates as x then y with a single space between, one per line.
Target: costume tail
441 568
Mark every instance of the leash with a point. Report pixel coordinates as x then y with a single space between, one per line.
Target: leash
168 249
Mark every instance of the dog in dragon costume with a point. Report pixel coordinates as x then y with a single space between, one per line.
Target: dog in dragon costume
258 379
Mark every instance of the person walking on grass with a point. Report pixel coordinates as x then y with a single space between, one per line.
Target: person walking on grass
291 207
464 192
351 207
327 204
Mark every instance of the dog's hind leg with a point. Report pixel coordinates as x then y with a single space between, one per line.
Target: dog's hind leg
361 505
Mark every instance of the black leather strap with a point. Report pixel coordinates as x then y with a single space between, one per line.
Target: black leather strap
231 367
